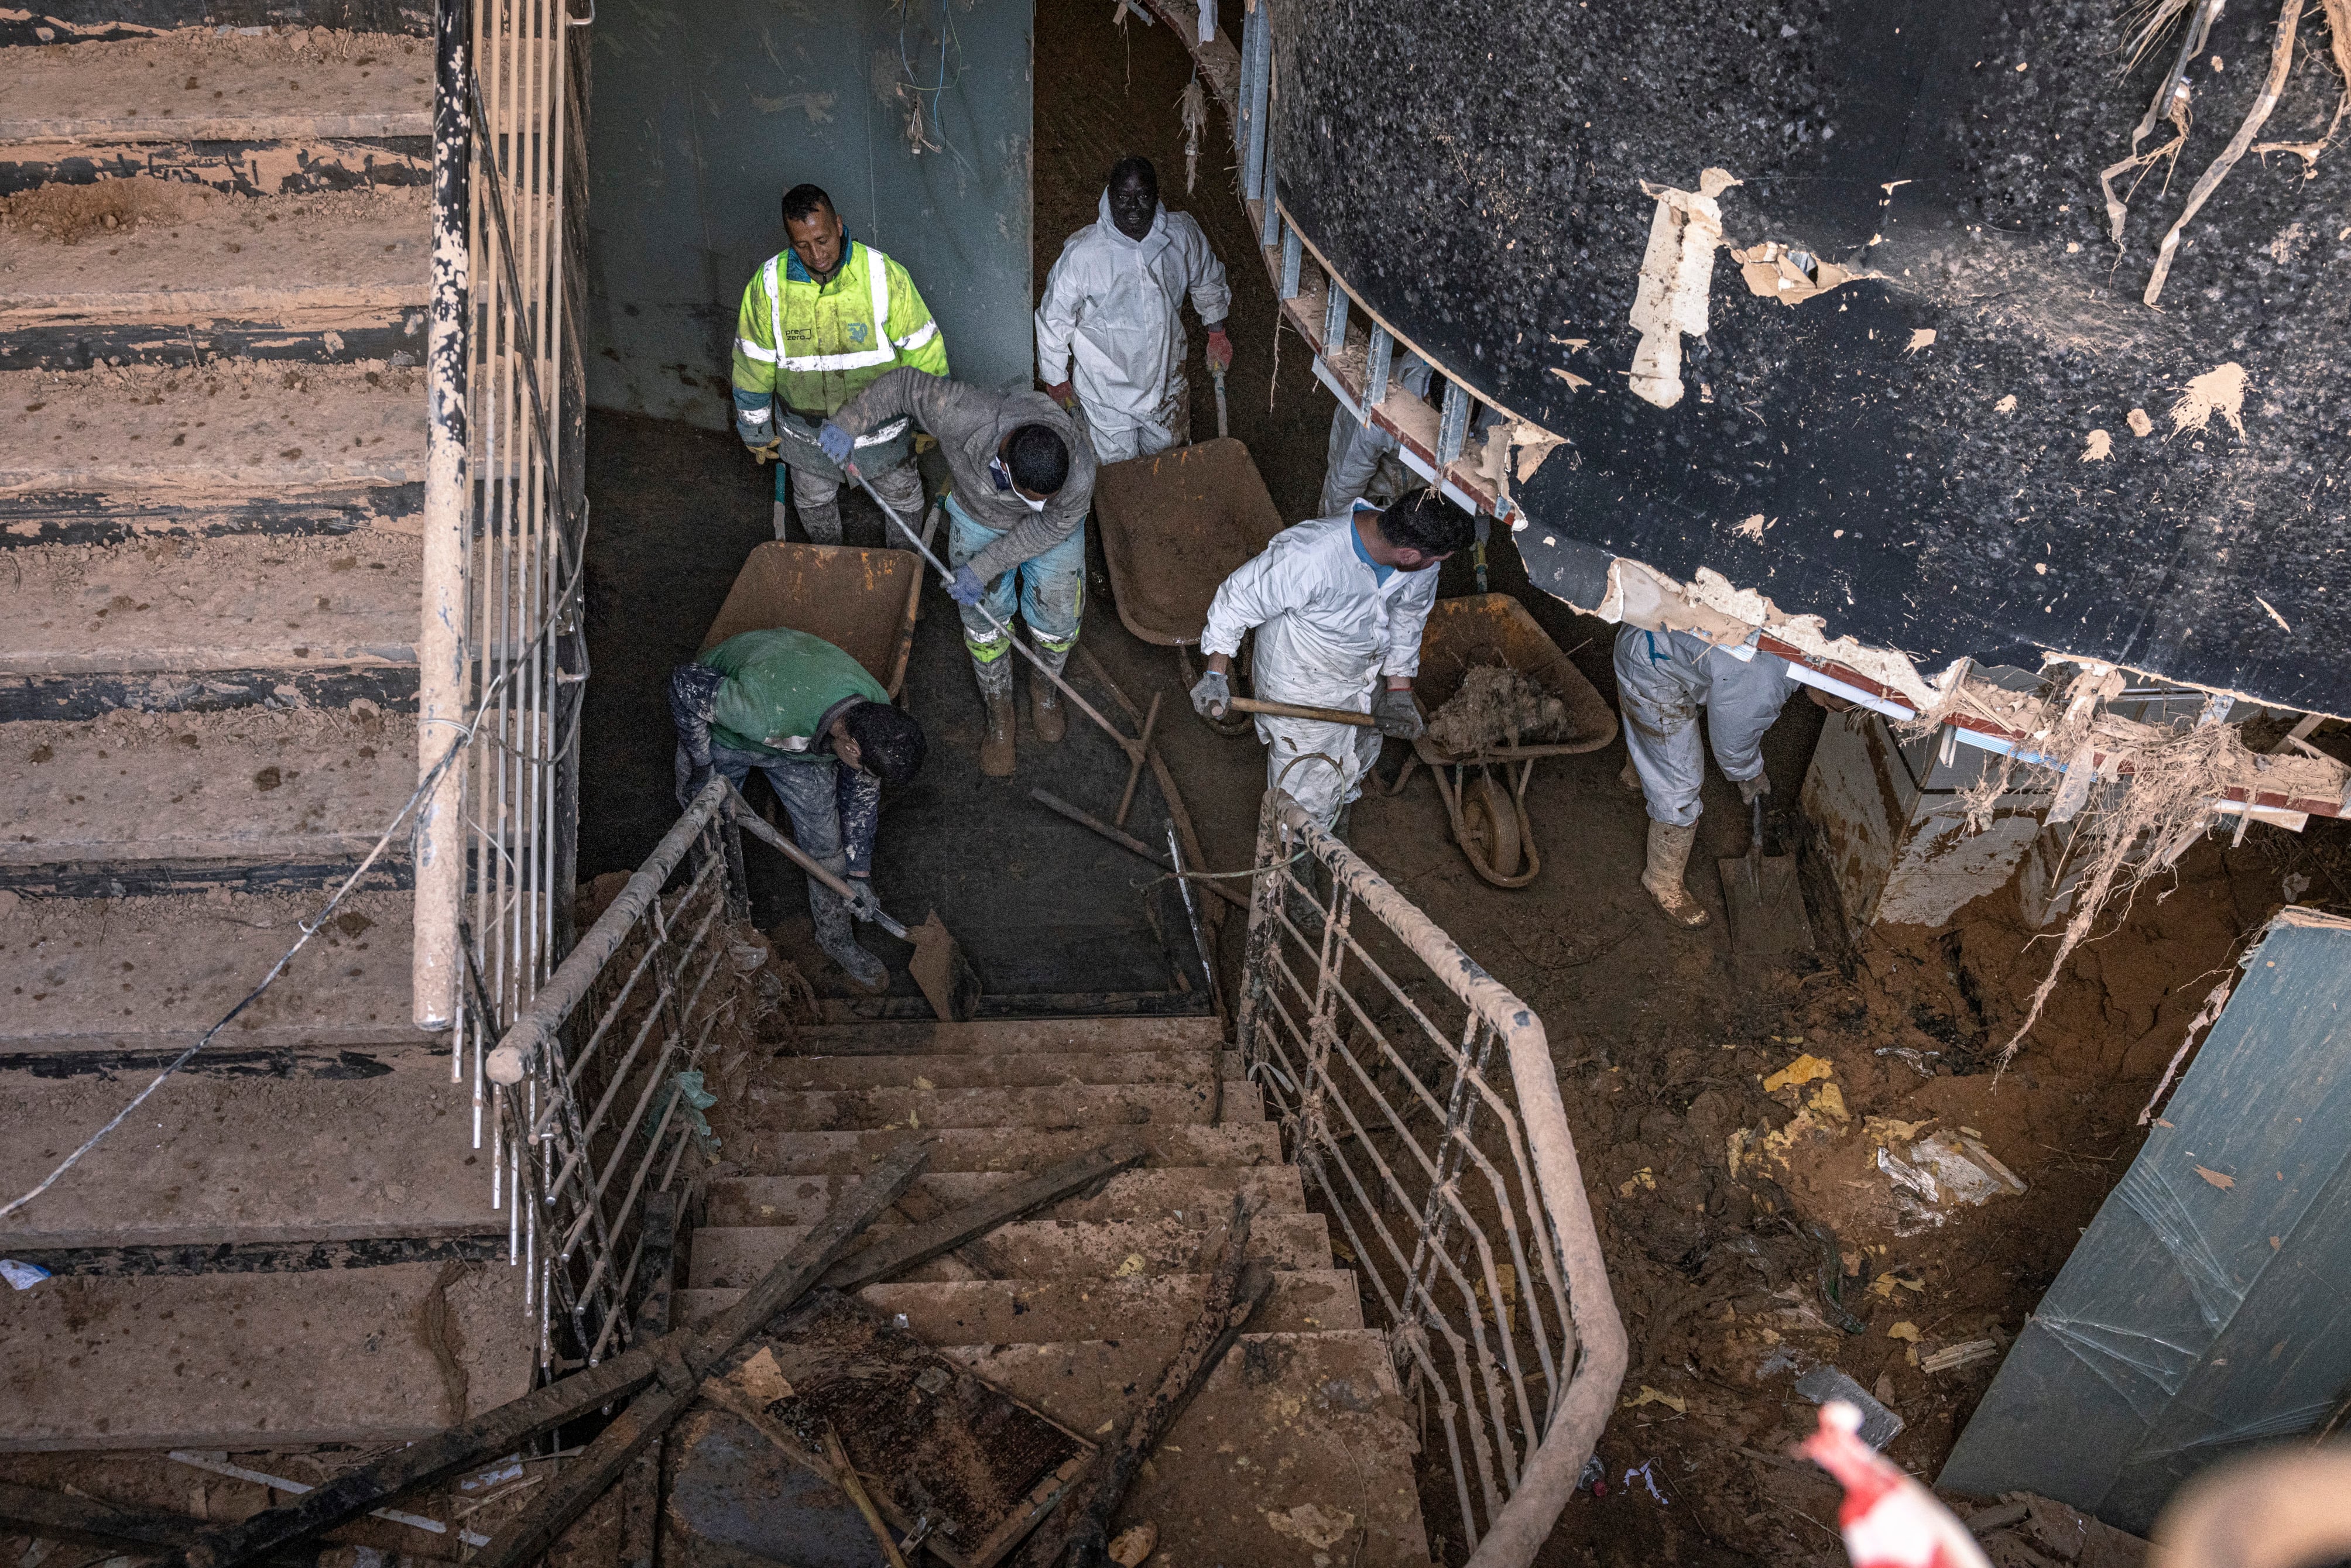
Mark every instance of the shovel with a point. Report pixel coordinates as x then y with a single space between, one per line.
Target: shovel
947 977
1765 906
1224 427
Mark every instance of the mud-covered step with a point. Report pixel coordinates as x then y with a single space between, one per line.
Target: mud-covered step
734 1257
783 1152
215 1157
224 432
982 1312
98 21
95 517
369 1355
116 984
151 251
1144 1193
1005 1036
1104 1105
147 801
244 604
198 84
1297 1452
1006 1070
245 168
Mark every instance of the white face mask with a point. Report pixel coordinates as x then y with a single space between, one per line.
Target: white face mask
1004 485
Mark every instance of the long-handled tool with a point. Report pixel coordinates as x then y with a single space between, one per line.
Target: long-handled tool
1296 710
1126 743
1762 901
947 977
1129 842
1224 425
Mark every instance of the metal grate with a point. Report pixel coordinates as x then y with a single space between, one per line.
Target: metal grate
591 1107
504 525
1419 1095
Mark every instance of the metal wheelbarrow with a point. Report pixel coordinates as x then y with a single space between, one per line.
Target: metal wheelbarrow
1489 811
1174 526
863 601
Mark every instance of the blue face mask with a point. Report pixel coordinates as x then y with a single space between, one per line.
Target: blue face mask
1003 477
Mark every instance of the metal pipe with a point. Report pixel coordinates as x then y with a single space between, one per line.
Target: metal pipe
441 664
545 1014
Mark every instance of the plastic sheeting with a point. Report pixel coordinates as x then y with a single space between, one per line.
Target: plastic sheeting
2204 1309
706 114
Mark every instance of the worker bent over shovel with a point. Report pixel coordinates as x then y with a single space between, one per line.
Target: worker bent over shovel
822 729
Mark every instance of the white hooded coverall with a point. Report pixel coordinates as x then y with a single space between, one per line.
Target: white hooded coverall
1327 635
1663 678
1356 448
1111 325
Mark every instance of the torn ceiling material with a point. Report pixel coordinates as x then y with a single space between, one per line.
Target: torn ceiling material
2202 1311
1971 435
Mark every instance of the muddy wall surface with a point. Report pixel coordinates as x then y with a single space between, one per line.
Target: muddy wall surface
704 115
1985 442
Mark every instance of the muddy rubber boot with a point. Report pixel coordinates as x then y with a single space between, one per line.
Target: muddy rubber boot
997 755
1669 854
1048 710
839 943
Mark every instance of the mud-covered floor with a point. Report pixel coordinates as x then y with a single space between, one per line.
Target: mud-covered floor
1661 1047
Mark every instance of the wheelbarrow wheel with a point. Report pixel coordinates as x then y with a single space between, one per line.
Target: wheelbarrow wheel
1490 826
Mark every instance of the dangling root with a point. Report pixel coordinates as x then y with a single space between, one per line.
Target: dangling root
2281 62
1193 105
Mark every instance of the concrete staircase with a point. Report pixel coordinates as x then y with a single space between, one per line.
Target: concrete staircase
213 282
1298 1451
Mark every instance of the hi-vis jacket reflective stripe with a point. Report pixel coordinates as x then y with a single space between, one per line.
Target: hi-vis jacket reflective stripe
815 346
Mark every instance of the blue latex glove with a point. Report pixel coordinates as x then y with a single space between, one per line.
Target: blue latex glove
837 442
966 588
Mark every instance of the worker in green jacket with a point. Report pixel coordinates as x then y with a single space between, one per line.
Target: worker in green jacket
818 322
822 729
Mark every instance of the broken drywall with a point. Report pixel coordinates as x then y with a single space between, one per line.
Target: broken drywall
1677 276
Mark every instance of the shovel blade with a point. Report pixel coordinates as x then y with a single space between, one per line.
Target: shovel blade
945 977
1765 907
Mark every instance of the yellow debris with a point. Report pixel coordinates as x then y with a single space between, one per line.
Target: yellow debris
1128 1269
1648 1395
1804 1069
1906 1329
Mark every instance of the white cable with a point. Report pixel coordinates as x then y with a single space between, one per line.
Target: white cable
310 927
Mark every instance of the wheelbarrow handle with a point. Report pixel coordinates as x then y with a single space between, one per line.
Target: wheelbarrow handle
1295 710
753 823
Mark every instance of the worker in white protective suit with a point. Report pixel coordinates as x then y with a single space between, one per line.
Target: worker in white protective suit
1338 604
1663 678
1357 470
1110 332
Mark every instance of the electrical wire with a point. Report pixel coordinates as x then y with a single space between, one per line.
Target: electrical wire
562 606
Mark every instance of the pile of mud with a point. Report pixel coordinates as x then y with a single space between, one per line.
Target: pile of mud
1495 705
70 214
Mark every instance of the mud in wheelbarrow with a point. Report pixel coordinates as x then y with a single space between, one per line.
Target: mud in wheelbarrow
1174 526
1486 791
863 601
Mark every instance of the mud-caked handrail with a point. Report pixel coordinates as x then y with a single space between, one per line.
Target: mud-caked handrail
518 1051
1551 1472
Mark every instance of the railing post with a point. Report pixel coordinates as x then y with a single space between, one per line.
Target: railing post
441 654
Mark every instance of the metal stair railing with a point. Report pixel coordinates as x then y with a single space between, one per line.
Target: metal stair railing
592 1104
505 522
1449 1171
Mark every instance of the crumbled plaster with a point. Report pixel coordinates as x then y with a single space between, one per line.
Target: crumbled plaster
1677 276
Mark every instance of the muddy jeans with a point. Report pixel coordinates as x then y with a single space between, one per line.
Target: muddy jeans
1051 598
834 810
1663 678
818 500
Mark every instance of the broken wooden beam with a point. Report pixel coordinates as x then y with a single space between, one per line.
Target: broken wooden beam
1079 1531
679 1357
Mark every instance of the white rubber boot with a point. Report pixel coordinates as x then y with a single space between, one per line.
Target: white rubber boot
1669 854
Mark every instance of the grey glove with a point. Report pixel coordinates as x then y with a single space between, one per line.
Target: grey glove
861 902
1396 716
1211 695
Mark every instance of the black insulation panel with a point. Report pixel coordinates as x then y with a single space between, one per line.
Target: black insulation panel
1475 173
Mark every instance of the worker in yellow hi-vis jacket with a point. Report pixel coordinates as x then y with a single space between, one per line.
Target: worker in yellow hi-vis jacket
820 321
